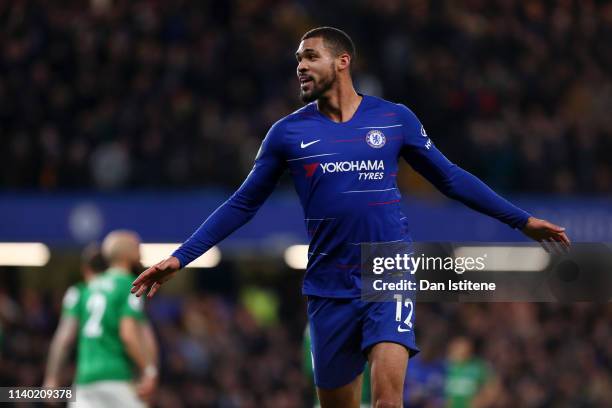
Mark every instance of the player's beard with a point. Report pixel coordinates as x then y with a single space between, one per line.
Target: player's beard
319 89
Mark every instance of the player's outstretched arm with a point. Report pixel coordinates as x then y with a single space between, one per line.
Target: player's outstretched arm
463 186
231 215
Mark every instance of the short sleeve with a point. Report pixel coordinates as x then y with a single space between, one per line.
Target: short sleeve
133 306
70 301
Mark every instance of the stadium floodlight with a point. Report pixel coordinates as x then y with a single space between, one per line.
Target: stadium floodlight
507 258
24 254
152 253
296 256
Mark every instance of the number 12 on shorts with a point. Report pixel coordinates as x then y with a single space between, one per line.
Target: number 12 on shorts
399 306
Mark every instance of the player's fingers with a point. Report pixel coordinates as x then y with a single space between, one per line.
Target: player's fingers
139 280
146 275
544 245
134 288
563 241
563 247
141 290
153 290
549 246
138 283
565 238
554 246
553 227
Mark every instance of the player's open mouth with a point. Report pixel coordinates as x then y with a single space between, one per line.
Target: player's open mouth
305 80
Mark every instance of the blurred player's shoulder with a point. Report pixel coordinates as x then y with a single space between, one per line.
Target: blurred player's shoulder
77 287
73 294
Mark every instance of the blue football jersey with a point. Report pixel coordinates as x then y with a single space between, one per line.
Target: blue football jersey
345 177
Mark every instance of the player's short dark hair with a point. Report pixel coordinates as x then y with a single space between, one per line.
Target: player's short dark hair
335 39
93 259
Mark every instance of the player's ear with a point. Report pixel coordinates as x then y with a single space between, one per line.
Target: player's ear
344 61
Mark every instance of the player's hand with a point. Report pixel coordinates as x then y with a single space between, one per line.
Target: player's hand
151 279
551 236
51 382
146 386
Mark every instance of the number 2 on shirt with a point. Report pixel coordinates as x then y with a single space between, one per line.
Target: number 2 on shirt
96 305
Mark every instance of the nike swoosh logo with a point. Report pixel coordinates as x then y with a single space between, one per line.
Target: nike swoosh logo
305 145
399 329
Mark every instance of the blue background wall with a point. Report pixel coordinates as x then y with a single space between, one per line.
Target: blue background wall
73 218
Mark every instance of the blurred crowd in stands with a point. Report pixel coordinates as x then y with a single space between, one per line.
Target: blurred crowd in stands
115 94
215 352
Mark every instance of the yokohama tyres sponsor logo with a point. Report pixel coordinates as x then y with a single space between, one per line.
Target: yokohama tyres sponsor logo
345 166
355 165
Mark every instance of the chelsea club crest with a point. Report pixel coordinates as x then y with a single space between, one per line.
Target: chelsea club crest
376 139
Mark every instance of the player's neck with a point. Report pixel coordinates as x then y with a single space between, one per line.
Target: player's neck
340 103
121 266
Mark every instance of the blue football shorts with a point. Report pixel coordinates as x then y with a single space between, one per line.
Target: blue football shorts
343 331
